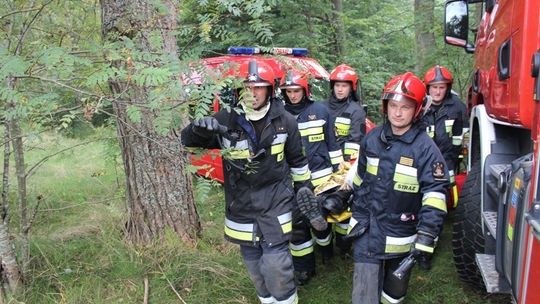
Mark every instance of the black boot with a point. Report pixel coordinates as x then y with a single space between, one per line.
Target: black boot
303 277
424 262
309 206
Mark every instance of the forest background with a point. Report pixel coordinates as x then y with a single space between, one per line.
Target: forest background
99 204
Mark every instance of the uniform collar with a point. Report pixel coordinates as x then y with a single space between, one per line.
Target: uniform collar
407 137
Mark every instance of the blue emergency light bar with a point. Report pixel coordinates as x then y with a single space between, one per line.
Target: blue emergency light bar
242 50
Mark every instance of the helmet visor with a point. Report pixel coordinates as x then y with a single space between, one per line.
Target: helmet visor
396 97
257 84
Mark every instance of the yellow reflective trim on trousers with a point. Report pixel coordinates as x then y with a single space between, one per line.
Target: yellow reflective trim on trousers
303 252
455 195
238 235
340 230
510 232
301 177
236 154
405 179
391 248
456 141
276 149
324 242
424 247
435 203
431 134
317 181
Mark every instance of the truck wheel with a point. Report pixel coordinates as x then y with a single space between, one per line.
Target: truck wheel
467 236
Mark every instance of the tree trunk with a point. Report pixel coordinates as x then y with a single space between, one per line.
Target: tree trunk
425 38
339 26
10 267
20 171
159 187
5 175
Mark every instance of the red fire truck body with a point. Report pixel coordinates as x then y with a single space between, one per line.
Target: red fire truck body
497 222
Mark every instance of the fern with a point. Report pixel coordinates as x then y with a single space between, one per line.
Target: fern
134 113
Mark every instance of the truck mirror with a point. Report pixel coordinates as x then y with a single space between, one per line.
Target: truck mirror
456 24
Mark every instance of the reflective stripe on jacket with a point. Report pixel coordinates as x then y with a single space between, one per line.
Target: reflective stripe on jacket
445 125
322 151
349 123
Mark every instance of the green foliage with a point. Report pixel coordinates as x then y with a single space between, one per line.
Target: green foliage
134 113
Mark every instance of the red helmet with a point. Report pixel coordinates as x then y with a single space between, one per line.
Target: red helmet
438 74
295 80
258 74
405 87
344 72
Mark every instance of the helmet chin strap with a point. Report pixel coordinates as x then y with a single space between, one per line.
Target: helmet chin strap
255 115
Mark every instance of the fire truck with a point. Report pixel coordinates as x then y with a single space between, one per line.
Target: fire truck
496 229
280 60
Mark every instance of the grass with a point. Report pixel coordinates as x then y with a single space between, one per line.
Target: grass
78 255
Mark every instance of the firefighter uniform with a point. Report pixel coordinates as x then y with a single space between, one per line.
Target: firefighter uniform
324 156
399 190
348 119
261 163
444 124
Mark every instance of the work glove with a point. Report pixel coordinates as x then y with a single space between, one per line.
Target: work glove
355 230
336 202
424 246
206 126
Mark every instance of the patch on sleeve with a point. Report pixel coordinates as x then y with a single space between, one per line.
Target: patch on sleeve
437 168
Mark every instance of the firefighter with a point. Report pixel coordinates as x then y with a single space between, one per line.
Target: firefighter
324 156
399 195
444 120
263 166
348 116
349 121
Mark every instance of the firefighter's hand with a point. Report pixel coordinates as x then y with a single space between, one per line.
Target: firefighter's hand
206 126
424 245
356 231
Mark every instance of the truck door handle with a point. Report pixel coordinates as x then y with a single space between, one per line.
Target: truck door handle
535 73
503 60
533 219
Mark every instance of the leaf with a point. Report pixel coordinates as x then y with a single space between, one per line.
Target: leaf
152 76
134 113
12 65
162 123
